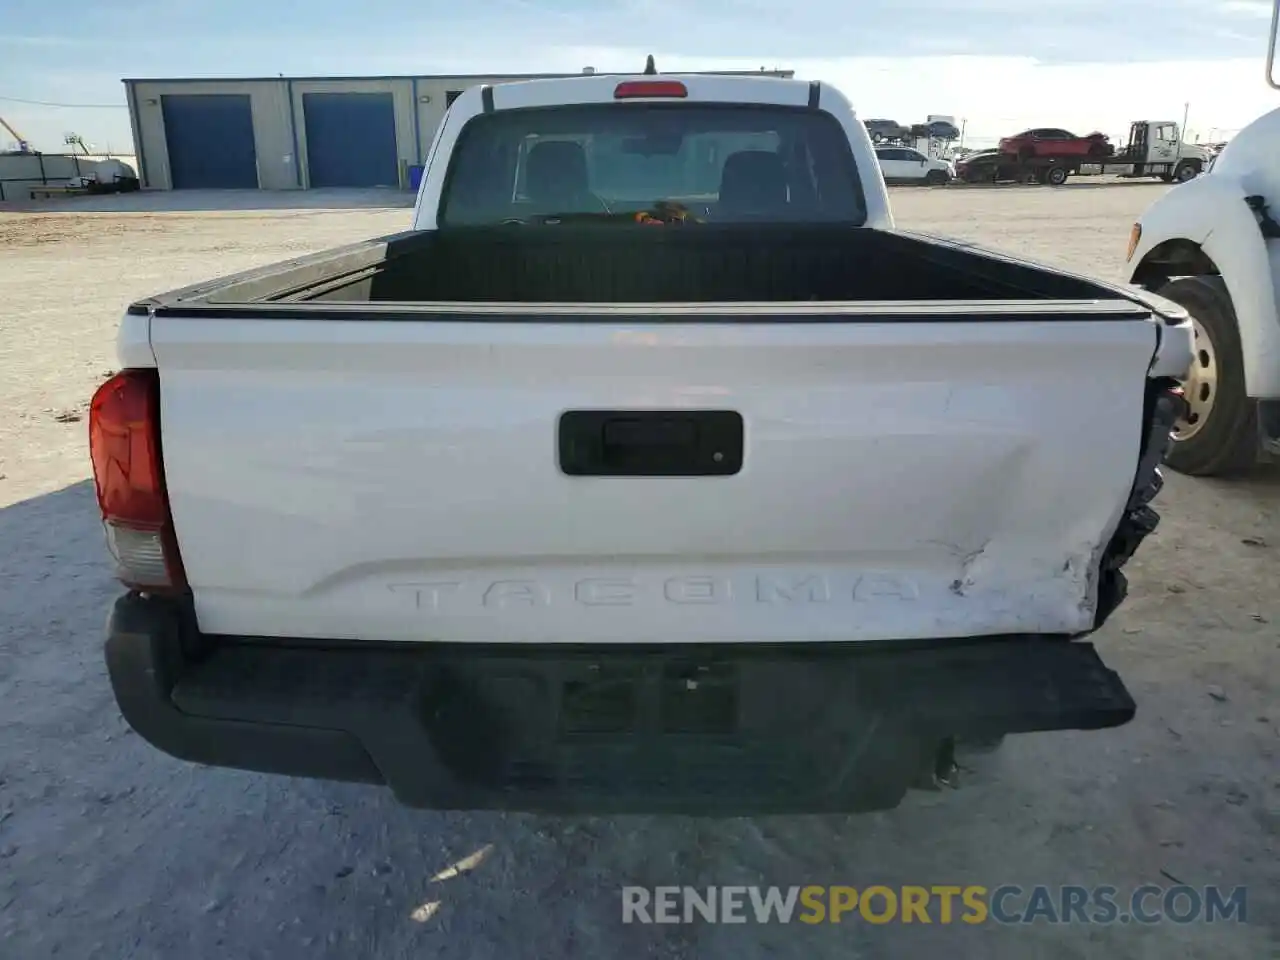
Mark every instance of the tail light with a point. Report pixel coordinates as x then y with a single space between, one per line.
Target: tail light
631 89
124 445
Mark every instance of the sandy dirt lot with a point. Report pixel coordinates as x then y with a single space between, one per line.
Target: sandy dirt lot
108 849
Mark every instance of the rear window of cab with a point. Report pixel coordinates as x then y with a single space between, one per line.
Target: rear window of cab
720 163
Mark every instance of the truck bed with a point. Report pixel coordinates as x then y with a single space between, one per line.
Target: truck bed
610 265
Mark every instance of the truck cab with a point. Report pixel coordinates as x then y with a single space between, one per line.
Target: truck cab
1160 143
1213 247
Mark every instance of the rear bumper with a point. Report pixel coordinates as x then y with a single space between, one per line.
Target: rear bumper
726 731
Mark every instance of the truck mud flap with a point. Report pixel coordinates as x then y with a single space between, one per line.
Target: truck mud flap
1162 409
697 730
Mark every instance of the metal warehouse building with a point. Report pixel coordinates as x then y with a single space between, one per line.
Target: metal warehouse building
283 133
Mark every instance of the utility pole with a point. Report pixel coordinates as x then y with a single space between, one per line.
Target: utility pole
1186 112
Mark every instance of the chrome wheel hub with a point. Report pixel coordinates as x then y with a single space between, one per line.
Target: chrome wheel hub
1200 388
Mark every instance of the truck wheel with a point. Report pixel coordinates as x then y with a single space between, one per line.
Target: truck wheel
1219 435
1056 176
1185 171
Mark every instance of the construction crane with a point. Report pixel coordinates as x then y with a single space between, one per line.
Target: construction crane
75 140
23 145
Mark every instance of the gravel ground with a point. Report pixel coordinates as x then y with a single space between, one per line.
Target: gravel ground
110 849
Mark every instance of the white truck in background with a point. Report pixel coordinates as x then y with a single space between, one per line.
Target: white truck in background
651 470
1155 148
1213 246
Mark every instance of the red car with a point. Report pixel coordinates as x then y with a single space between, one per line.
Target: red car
1052 142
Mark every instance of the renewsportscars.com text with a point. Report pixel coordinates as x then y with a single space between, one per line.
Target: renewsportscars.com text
973 904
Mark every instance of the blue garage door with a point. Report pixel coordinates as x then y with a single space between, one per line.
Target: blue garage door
210 138
351 139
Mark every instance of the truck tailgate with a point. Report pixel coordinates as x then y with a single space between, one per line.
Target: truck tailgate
908 475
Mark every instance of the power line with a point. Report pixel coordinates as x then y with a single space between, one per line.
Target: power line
77 106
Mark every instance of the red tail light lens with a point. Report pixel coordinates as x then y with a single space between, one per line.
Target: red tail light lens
124 445
632 89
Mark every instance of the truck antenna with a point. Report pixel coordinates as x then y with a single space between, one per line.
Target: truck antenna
649 68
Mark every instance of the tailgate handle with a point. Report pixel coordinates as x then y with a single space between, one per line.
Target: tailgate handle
628 436
651 443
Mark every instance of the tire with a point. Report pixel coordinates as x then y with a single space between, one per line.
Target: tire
1187 170
936 178
1220 438
1056 176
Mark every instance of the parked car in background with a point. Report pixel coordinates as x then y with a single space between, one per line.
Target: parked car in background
1055 142
988 166
906 164
943 130
882 130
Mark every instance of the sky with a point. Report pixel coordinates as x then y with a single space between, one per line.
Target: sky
1000 65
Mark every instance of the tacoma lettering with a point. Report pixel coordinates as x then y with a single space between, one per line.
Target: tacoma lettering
602 592
502 593
695 590
425 595
688 590
812 589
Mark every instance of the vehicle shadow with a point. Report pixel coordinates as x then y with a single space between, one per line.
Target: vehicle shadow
1111 184
156 858
1100 184
53 571
204 201
1260 484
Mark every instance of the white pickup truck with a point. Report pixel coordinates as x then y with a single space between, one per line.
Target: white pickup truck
652 470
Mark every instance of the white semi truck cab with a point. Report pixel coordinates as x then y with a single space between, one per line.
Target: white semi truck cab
1212 246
